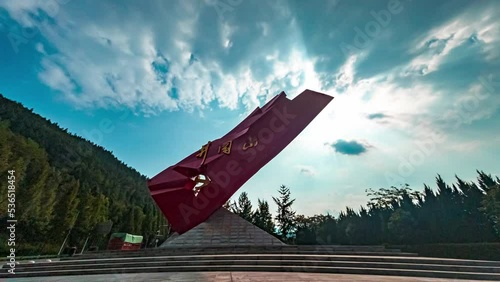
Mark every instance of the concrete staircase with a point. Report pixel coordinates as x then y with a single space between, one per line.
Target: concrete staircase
369 260
226 242
223 228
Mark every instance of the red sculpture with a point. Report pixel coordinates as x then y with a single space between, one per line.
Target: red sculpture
191 190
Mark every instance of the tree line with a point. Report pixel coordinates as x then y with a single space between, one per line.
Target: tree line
465 212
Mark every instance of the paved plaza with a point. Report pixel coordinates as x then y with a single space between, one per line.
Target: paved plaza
229 277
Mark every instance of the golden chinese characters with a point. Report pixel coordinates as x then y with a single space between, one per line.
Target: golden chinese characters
203 152
226 148
252 142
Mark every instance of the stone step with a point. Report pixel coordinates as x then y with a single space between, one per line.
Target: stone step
270 253
201 252
272 268
298 257
263 262
253 249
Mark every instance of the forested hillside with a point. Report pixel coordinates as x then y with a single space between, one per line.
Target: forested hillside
63 180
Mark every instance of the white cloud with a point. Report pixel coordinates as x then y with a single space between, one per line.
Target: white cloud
306 170
265 28
226 33
466 146
476 103
39 47
471 26
100 60
345 77
55 77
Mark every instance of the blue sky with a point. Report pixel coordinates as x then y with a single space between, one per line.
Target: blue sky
416 84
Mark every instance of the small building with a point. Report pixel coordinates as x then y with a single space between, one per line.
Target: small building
124 241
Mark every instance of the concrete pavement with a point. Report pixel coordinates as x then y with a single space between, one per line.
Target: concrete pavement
228 277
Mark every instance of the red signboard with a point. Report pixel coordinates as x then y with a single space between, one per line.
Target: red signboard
191 190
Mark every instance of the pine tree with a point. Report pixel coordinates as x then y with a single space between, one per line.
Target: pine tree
66 209
244 207
486 182
491 206
402 226
305 231
5 147
263 218
285 214
327 230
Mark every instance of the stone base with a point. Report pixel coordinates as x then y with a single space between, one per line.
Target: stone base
223 228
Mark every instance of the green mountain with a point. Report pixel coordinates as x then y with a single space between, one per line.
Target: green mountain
63 180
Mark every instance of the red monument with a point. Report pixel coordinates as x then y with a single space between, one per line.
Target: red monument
191 190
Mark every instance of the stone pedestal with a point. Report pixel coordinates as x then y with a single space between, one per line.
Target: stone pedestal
223 228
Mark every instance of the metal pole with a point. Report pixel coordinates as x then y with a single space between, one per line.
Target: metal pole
69 232
147 241
64 242
85 244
